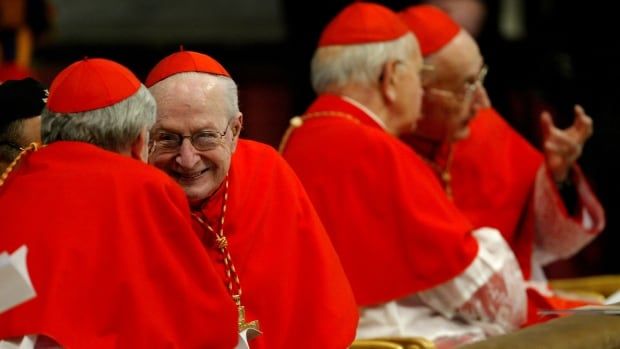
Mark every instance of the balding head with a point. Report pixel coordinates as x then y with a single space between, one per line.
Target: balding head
190 107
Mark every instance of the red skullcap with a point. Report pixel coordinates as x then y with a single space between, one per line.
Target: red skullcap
91 84
432 27
361 23
183 62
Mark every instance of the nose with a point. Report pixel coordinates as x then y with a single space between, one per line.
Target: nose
187 156
480 98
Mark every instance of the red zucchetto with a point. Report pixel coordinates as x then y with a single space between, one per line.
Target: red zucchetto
91 84
183 62
362 23
432 27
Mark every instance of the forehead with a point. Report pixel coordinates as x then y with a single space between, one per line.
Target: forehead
459 61
190 100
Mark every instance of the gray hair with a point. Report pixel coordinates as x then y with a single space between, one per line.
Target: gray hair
335 66
113 128
232 94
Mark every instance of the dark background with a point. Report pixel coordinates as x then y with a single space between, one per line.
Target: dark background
567 53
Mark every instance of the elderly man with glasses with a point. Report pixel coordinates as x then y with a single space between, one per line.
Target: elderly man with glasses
112 254
417 266
250 211
540 201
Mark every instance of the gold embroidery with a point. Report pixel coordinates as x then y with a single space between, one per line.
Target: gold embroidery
298 121
33 146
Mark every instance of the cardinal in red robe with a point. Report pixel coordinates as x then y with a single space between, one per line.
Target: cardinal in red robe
251 212
112 255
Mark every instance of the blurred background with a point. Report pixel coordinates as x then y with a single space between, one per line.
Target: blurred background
542 54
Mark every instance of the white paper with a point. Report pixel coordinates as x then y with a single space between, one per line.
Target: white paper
26 342
588 309
613 298
15 284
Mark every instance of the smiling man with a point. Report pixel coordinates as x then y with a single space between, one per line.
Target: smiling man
112 253
250 210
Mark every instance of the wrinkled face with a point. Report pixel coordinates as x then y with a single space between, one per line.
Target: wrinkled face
195 134
455 93
411 92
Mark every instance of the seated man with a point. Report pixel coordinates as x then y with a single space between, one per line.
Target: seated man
112 255
251 212
416 265
21 102
539 201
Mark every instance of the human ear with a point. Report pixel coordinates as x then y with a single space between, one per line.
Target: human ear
139 147
236 131
388 80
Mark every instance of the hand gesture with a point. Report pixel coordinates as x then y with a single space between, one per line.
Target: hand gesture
563 147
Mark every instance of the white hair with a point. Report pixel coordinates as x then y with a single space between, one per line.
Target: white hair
227 84
335 66
113 128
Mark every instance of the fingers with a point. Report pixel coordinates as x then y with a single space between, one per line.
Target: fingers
565 149
583 124
563 144
546 124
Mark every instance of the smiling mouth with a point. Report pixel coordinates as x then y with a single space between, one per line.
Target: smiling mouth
189 177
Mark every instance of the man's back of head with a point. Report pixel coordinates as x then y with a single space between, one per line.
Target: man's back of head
99 101
368 54
118 237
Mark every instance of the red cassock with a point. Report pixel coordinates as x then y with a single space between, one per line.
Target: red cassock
111 253
394 229
493 175
291 278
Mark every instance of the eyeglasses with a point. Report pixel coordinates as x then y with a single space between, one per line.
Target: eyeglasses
12 145
202 140
469 88
425 72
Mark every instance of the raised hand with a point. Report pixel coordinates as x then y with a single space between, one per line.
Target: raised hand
563 147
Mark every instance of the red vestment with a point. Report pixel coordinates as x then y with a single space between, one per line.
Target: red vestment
112 255
389 220
493 175
496 181
291 278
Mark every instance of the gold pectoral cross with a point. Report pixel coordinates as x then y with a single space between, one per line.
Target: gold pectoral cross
252 327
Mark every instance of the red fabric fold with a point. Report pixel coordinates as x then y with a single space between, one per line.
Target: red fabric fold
493 175
291 277
112 255
389 220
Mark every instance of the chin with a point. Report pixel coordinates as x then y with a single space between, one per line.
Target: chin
196 194
461 134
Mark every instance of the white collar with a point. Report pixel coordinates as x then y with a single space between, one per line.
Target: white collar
368 112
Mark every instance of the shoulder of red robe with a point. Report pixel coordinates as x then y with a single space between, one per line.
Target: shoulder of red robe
183 62
362 23
90 84
432 27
